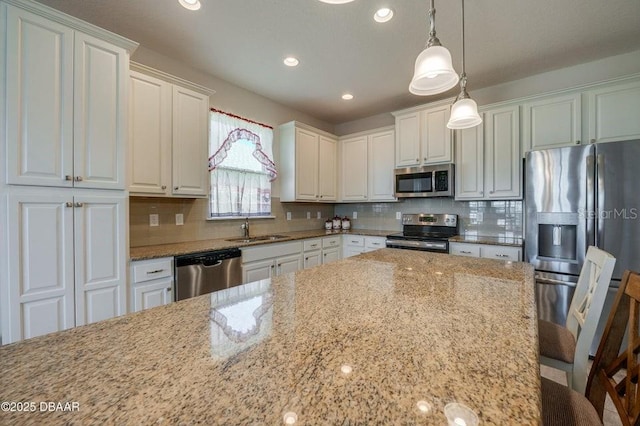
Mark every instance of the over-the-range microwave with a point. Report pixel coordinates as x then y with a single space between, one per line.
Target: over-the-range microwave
426 181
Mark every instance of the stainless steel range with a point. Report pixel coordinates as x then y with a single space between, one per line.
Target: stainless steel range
425 232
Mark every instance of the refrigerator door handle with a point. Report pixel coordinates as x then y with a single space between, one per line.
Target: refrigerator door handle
591 207
600 214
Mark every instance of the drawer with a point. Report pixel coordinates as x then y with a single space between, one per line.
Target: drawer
328 242
501 253
315 244
354 240
374 243
147 270
471 250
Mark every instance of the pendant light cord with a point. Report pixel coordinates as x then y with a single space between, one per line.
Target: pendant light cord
463 76
463 73
432 40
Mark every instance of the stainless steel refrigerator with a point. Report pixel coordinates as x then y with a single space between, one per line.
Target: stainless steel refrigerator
576 197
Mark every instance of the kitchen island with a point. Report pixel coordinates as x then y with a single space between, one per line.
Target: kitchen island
388 337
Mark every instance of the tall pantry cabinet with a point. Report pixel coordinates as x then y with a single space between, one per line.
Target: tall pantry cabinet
63 200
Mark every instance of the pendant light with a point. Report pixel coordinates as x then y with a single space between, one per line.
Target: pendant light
433 70
464 112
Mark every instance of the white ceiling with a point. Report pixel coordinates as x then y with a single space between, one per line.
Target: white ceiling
342 49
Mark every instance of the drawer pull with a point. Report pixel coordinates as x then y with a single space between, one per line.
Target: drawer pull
314 245
465 252
355 242
157 271
375 244
502 255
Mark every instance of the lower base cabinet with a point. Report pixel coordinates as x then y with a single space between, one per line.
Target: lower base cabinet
486 251
357 244
64 260
151 283
270 260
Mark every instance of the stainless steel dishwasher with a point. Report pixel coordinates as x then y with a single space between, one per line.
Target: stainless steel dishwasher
206 272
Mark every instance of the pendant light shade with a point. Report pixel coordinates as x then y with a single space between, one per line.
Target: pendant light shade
464 112
433 72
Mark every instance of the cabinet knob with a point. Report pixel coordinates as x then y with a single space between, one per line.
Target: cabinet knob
306 258
79 204
417 160
164 187
176 188
491 192
68 204
68 177
321 196
78 179
592 141
577 142
425 158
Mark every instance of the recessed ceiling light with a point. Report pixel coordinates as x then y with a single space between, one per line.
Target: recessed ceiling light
383 14
290 61
190 4
347 96
336 1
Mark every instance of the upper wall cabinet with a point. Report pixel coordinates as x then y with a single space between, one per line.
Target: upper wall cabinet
488 160
614 113
422 136
552 122
66 102
308 163
168 132
367 166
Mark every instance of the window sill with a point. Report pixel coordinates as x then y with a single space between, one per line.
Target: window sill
214 219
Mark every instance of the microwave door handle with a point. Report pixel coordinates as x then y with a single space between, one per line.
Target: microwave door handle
591 207
600 200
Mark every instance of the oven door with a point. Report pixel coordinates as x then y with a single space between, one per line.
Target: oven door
432 246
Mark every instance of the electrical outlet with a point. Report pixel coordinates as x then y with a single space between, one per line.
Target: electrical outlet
355 215
308 215
179 219
288 215
154 220
319 216
399 215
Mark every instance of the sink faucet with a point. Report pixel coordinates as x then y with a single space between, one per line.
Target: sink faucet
245 227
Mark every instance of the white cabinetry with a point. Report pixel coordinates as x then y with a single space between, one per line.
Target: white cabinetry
169 135
488 160
358 244
486 251
614 112
331 249
68 261
308 163
552 122
151 283
318 251
367 166
66 99
269 260
422 136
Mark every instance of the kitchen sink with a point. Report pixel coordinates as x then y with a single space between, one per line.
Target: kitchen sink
259 238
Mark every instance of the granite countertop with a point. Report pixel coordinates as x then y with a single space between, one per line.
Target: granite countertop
480 239
164 250
357 341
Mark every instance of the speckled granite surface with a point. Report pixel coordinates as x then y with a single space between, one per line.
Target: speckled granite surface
479 239
412 326
163 250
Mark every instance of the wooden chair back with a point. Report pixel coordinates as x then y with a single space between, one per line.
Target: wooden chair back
623 390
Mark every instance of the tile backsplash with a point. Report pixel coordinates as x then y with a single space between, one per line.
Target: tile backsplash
487 218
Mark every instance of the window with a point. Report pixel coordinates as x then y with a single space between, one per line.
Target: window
241 167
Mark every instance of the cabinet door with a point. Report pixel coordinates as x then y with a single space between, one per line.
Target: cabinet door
352 251
152 294
330 255
436 136
306 165
374 243
354 169
287 264
100 257
503 163
259 270
408 140
149 135
39 100
40 266
190 175
327 169
470 163
100 113
312 258
381 168
552 122
614 113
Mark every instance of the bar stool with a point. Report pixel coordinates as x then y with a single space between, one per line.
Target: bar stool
567 348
